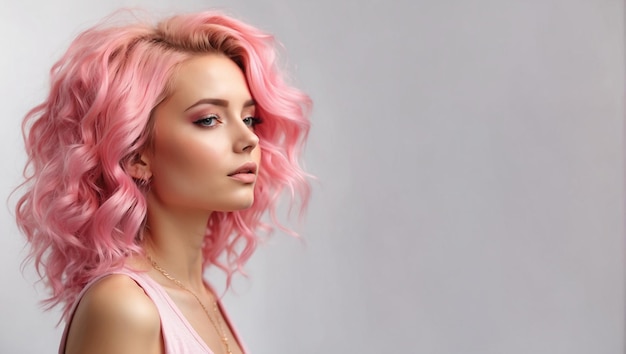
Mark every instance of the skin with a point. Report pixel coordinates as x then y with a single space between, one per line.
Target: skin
197 142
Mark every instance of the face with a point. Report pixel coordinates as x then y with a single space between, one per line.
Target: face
205 154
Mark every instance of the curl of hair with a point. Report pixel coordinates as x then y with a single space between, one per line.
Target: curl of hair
81 212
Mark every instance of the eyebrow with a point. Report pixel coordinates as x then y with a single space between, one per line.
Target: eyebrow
218 102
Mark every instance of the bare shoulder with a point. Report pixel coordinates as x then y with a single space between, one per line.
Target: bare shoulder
115 316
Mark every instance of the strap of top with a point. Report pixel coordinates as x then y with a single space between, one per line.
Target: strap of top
178 335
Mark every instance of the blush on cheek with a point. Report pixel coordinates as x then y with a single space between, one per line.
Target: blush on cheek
189 162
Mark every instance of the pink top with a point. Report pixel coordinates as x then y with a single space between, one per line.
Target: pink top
179 336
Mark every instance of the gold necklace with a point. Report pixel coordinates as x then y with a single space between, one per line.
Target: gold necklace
217 323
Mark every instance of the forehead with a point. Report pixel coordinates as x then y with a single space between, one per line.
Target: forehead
209 75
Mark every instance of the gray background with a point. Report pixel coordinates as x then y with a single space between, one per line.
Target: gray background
469 157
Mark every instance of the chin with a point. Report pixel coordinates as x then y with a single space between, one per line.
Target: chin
241 204
245 206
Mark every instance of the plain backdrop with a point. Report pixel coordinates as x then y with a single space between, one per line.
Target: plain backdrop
470 165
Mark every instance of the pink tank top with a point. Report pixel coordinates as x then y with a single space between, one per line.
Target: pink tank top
179 336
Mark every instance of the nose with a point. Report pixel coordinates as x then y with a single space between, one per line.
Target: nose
246 139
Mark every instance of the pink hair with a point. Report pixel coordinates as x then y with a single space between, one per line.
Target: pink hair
81 211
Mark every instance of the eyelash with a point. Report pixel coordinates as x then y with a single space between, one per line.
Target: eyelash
211 117
250 121
253 121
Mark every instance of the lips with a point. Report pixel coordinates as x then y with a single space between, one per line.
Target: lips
246 168
245 174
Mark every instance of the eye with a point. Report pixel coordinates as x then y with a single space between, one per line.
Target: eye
252 121
208 121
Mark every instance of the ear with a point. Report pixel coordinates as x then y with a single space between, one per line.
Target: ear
139 167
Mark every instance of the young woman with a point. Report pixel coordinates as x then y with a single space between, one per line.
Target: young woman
155 155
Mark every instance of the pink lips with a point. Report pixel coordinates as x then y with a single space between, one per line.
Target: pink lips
246 173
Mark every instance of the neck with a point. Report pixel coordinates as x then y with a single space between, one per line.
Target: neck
174 239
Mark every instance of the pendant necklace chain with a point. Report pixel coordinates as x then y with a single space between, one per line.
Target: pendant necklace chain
217 323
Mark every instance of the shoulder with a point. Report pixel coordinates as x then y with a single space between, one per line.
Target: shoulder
115 316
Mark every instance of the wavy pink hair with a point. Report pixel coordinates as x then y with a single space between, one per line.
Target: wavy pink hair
81 212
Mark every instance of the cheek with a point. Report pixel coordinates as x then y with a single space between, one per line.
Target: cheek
181 162
257 154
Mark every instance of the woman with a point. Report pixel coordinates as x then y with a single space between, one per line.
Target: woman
155 155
